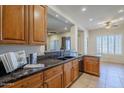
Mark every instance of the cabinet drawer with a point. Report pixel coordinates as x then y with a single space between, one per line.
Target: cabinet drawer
29 81
34 80
53 71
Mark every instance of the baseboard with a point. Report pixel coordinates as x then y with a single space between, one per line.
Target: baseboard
113 62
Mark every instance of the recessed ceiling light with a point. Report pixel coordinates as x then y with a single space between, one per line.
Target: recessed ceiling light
91 19
57 15
65 28
66 21
84 9
121 11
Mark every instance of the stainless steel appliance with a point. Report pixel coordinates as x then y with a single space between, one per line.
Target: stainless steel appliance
81 65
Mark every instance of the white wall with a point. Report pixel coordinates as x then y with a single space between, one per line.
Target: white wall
86 35
29 49
74 38
81 42
92 43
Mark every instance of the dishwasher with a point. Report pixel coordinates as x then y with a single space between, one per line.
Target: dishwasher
81 64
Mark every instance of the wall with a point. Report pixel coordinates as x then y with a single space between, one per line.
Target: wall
29 49
86 35
92 43
81 42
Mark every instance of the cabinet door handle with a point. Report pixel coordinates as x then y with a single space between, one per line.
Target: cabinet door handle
22 86
45 83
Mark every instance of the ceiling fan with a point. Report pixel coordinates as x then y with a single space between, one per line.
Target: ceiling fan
110 23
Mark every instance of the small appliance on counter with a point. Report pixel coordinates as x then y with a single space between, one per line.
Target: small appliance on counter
33 58
13 60
33 62
21 58
9 61
2 69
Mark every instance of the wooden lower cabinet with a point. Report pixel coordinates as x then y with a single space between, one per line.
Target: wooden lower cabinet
75 70
53 78
91 65
95 68
71 72
34 81
55 81
67 74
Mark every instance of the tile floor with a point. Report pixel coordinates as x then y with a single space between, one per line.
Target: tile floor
111 76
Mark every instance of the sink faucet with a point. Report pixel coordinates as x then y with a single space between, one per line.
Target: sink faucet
63 52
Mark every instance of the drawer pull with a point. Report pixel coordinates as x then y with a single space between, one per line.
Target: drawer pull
45 83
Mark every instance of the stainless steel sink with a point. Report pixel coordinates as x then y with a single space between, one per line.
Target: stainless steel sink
68 57
65 57
61 58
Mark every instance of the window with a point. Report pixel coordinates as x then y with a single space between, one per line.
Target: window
54 45
99 45
118 44
109 44
104 44
68 44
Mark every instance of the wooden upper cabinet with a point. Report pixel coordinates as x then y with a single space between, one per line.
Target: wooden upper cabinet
20 24
37 24
13 24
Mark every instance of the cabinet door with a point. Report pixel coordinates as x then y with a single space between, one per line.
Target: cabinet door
95 68
75 71
91 65
37 24
88 66
14 24
67 74
54 82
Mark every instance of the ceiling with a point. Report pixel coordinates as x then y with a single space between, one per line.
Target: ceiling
57 24
96 13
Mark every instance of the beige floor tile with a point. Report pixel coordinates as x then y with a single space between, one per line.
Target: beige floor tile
111 76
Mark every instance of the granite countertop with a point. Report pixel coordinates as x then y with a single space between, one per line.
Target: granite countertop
23 72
